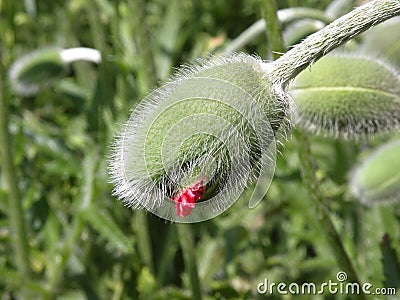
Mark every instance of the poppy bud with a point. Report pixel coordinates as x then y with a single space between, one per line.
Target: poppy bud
191 147
41 67
348 96
377 178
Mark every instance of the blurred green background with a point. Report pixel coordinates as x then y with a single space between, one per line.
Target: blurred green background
83 244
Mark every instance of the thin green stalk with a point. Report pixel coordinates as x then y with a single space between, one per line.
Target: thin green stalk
189 255
311 182
16 213
273 26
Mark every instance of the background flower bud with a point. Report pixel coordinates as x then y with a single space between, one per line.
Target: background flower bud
377 178
36 69
334 99
42 67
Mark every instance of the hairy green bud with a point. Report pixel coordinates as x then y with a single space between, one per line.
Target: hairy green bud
214 123
377 178
348 96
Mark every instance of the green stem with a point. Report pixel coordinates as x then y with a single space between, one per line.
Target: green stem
307 166
273 26
189 255
16 213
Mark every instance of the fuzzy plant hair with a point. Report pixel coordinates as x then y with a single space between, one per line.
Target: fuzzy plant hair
214 122
192 146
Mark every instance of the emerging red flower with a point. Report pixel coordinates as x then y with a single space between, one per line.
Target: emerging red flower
185 200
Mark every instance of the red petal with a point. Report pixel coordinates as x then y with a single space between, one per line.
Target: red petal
186 199
183 209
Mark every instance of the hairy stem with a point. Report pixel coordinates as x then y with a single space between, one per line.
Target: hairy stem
16 214
332 236
289 65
